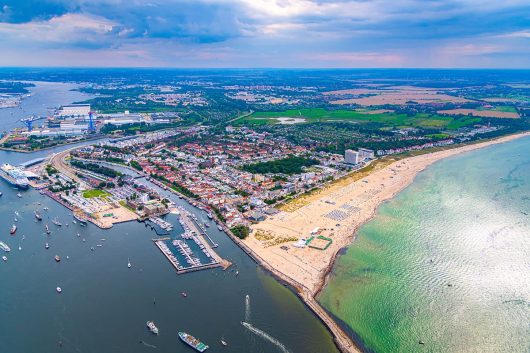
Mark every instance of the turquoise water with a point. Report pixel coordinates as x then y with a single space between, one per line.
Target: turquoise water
447 262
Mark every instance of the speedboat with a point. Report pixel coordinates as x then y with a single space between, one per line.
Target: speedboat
58 289
129 263
152 327
57 258
13 229
46 246
223 342
4 258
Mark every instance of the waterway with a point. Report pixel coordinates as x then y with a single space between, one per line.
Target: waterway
44 98
104 305
444 266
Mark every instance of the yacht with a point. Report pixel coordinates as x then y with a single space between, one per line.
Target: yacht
152 327
58 289
13 229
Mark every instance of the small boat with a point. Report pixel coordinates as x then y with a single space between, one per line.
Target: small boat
206 225
45 208
99 245
1 194
220 228
223 342
17 214
209 215
16 219
74 222
4 258
47 229
19 194
152 327
128 263
47 246
13 229
58 289
4 247
57 258
37 216
56 222
84 240
92 248
78 235
184 294
237 273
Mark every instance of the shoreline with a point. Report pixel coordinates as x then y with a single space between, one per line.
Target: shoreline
309 284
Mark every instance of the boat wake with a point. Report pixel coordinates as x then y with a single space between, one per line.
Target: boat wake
147 344
247 308
265 336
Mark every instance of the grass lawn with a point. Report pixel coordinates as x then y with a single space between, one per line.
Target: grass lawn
95 193
421 120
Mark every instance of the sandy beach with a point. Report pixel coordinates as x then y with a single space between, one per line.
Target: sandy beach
335 215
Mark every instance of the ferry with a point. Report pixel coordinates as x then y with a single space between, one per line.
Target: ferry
38 216
13 229
4 247
193 342
152 327
14 176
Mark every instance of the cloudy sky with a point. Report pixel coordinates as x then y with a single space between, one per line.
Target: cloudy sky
266 33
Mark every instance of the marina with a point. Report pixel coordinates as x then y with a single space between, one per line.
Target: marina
189 251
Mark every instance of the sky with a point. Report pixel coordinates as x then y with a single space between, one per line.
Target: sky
266 33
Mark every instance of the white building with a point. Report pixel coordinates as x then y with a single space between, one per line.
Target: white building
73 110
365 154
351 157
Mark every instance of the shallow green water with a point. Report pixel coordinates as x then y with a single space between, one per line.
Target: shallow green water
447 262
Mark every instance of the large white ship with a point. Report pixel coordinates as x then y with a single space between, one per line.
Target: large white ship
14 176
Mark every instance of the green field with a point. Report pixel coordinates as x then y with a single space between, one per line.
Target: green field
421 120
94 193
502 108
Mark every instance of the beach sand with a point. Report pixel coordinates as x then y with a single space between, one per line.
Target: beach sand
337 213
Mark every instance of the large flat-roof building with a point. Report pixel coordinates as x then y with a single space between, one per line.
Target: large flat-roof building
365 154
351 157
73 110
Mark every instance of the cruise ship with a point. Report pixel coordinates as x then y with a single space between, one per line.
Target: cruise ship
192 342
14 176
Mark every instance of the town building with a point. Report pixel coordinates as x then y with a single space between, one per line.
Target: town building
365 154
351 157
